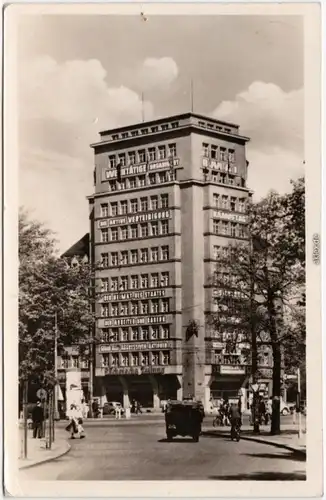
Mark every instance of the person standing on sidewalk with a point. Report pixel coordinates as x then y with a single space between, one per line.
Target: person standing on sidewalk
38 419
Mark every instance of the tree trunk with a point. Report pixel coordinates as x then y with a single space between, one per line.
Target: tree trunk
25 414
276 414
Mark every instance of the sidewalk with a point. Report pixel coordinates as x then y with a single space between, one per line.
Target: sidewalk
38 453
288 439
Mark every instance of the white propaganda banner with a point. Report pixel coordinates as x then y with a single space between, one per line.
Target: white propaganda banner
74 392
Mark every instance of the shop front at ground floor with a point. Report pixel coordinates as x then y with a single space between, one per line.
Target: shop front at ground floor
148 390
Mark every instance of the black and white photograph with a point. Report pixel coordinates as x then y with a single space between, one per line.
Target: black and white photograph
162 310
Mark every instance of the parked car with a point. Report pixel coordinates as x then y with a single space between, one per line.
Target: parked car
110 407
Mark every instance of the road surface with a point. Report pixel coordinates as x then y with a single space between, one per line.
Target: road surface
137 450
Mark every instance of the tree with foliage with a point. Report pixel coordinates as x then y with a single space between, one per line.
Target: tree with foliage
259 285
49 287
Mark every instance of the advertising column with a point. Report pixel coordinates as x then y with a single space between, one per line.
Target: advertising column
74 392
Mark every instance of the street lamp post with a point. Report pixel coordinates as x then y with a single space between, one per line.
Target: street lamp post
255 410
55 393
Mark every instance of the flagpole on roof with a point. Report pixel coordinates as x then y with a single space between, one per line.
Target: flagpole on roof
192 95
142 108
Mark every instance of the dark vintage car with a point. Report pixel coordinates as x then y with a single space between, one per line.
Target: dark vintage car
184 418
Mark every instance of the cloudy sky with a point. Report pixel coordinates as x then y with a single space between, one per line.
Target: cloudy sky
82 74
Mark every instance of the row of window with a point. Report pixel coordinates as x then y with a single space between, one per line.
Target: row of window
134 205
136 359
218 152
141 181
232 203
212 126
143 155
135 307
226 228
135 256
73 362
135 333
134 231
135 282
223 178
145 131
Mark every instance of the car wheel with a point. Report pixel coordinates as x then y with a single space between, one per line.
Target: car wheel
285 412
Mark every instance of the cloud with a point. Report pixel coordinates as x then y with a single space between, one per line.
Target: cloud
268 115
273 119
157 73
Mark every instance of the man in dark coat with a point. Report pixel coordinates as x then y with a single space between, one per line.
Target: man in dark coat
38 419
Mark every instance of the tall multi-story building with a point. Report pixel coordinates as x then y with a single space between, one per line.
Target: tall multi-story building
169 195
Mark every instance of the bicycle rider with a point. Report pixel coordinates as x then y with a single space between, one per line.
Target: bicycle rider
235 416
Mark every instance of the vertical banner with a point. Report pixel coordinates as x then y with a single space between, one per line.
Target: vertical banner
74 392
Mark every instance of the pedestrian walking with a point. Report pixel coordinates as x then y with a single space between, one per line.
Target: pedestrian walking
73 416
118 412
38 419
262 410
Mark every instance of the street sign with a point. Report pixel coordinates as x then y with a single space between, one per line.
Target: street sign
41 394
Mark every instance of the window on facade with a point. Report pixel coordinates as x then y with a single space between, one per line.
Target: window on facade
114 284
165 253
154 202
105 259
225 202
152 178
233 204
242 205
124 232
164 200
144 307
216 251
113 185
114 234
141 180
205 149
154 228
145 358
164 227
134 359
143 204
242 231
134 307
233 229
165 358
144 281
223 154
214 151
165 332
134 333
105 310
112 161
154 254
142 156
133 205
154 129
104 235
105 284
124 309
134 231
144 333
161 152
172 150
175 124
217 357
225 228
155 359
231 155
154 333
144 131
154 280
132 157
114 309
124 207
144 230
114 259
155 306
216 200
114 335
122 159
134 133
144 255
125 359
134 256
151 154
115 359
165 126
202 124
215 176
124 335
162 177
132 182
114 208
124 257
115 137
165 305
165 279
216 226
105 360
122 185
123 283
104 210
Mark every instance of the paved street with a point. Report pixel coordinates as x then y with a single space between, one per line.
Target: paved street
137 450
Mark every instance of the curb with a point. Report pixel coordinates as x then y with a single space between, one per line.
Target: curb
257 440
41 462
